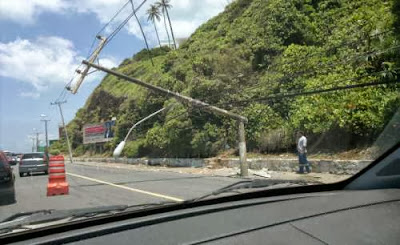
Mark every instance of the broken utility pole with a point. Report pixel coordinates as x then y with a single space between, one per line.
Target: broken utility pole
92 58
196 103
64 127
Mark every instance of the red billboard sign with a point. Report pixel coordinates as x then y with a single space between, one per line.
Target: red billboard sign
96 133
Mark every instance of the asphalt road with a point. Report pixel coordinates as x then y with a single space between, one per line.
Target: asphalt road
102 186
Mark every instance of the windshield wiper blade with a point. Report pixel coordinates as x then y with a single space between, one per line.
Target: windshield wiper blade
19 220
24 219
249 184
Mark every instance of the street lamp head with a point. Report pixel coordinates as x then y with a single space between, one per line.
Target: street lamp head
118 149
43 115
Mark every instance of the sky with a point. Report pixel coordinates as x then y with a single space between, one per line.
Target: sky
42 42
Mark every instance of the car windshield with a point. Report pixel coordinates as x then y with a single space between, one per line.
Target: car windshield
32 155
149 101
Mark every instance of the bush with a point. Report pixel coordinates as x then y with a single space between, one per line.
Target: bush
79 151
133 148
275 141
54 152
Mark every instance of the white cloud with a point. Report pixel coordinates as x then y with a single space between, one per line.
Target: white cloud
33 95
24 12
186 15
43 62
108 62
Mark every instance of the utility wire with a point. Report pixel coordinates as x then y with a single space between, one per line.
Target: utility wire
333 64
105 26
64 90
316 91
112 35
343 44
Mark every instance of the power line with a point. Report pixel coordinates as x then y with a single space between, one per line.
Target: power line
64 90
332 64
112 35
105 26
317 91
309 55
333 83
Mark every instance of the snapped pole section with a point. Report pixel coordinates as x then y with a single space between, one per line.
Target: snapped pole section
92 58
193 102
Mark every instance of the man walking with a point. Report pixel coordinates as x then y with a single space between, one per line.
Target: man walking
302 151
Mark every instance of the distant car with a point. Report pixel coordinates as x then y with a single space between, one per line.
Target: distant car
7 178
33 163
12 158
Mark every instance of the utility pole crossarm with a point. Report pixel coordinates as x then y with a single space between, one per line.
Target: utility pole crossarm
92 59
182 98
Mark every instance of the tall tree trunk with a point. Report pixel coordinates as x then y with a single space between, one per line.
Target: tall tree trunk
166 29
141 29
158 37
145 39
170 26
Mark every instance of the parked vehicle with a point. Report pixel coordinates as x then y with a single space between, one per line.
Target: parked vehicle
7 178
33 163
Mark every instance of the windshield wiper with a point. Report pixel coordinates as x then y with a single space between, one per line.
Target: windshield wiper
25 219
252 184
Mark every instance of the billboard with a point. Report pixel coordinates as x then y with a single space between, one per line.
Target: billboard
97 133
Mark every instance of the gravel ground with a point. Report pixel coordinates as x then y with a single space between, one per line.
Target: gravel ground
227 172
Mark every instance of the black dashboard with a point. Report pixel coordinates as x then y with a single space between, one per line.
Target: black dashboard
338 217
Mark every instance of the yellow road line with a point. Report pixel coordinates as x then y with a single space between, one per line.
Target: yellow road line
128 188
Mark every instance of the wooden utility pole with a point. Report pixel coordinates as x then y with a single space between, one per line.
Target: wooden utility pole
46 134
92 58
33 142
37 140
64 127
193 102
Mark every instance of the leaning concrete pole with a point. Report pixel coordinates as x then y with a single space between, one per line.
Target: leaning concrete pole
242 150
92 58
194 102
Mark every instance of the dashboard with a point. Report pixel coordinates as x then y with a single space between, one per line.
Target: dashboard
338 217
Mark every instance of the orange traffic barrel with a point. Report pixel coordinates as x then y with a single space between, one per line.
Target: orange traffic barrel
58 184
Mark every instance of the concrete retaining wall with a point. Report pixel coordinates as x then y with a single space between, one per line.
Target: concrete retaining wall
291 165
169 162
274 164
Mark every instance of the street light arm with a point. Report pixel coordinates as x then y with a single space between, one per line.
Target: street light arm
144 119
121 145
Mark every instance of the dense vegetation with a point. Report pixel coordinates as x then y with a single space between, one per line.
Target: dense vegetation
243 60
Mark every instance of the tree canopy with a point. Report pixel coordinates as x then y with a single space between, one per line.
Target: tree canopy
242 58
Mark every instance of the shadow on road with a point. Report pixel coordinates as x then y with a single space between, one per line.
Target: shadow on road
7 200
33 174
154 180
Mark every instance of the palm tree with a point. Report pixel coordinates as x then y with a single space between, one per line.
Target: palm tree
165 5
166 28
154 15
141 29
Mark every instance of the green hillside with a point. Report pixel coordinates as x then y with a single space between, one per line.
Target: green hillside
244 57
